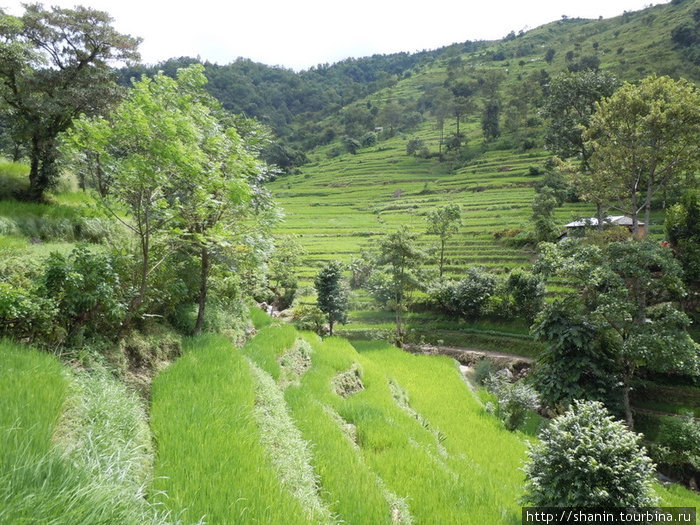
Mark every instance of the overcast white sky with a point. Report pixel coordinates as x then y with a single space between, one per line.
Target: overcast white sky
301 33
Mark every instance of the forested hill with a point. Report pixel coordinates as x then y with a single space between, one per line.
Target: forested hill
664 39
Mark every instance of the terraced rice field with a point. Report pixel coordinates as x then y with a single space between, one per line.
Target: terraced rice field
295 429
339 207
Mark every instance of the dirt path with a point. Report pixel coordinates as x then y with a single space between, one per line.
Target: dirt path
467 356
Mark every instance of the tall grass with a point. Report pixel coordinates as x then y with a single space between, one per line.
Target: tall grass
13 178
52 222
259 318
478 448
354 492
92 470
33 389
268 345
210 460
289 453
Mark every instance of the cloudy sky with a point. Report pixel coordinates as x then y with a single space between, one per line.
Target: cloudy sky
301 33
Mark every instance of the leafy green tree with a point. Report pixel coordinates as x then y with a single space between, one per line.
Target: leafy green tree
643 137
416 146
282 275
369 139
543 214
332 294
352 145
524 293
568 107
490 119
212 195
468 297
390 116
578 361
398 251
549 55
625 289
587 459
54 66
442 108
683 232
180 174
444 222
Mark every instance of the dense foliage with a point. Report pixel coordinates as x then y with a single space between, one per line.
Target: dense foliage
332 294
586 458
55 66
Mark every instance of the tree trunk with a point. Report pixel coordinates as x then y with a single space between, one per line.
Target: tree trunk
16 152
442 255
34 156
647 214
599 215
626 387
635 218
330 326
399 328
203 289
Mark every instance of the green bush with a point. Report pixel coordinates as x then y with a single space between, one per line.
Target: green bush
483 369
523 294
309 317
24 315
676 446
467 297
515 399
585 458
85 287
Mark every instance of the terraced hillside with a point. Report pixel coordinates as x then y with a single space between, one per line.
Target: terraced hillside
340 207
294 429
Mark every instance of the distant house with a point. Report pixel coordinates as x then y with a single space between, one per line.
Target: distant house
578 228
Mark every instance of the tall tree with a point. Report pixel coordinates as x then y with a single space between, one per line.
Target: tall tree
399 252
625 289
55 66
177 171
444 222
490 119
643 137
332 294
443 107
569 106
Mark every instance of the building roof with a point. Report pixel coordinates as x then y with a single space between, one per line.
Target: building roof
619 220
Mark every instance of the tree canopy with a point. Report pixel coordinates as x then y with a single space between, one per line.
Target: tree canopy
179 172
55 66
643 137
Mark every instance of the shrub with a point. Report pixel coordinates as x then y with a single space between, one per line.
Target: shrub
483 369
524 293
309 317
578 361
369 139
514 399
85 287
585 458
676 446
467 297
416 147
24 315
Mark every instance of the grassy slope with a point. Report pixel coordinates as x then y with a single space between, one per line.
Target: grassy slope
412 445
89 468
340 206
